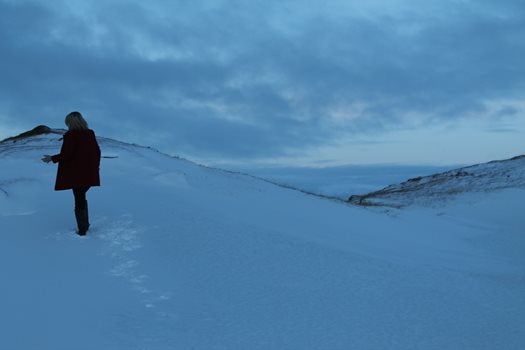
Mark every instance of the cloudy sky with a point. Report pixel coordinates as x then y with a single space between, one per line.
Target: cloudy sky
288 81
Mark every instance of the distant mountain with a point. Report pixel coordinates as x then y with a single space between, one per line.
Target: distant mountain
428 190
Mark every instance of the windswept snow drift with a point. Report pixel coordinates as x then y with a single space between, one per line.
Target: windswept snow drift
181 256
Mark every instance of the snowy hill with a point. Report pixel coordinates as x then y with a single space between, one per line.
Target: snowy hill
434 189
182 256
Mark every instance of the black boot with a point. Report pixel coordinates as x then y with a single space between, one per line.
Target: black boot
87 215
82 220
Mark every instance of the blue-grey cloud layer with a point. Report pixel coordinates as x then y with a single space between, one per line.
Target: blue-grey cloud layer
260 78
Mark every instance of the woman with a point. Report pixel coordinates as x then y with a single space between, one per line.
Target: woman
78 165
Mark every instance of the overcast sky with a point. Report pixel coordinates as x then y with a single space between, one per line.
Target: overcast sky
297 82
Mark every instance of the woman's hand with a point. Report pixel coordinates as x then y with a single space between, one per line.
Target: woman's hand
46 158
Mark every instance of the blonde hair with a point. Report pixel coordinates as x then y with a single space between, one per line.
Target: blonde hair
75 121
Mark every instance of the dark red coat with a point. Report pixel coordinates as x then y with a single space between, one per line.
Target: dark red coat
78 161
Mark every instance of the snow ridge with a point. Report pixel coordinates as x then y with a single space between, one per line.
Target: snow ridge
434 189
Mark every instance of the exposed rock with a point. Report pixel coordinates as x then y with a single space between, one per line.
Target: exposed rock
39 130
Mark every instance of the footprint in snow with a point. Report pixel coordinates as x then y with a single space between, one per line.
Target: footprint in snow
122 239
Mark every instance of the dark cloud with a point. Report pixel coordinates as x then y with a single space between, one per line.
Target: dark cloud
255 79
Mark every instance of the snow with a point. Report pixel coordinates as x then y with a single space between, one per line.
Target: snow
429 190
182 256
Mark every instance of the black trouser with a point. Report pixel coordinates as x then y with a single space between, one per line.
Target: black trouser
80 197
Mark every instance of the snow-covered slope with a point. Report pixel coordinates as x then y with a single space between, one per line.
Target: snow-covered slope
181 256
434 189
